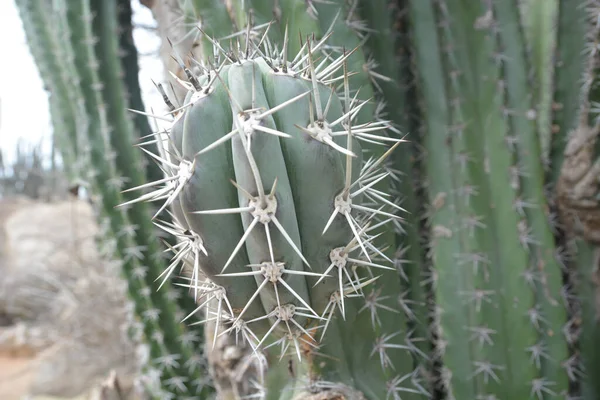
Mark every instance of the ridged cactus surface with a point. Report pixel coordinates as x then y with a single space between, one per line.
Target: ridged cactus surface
381 199
274 206
505 314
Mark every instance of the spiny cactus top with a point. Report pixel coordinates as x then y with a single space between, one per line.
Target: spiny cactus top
273 204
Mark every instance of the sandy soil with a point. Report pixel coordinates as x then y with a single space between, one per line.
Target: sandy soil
15 366
19 363
15 376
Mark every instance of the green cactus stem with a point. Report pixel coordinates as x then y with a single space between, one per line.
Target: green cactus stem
264 177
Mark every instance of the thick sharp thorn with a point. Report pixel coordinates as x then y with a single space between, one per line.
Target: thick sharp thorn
357 235
381 159
186 85
330 221
341 284
338 147
273 132
369 264
162 118
237 210
324 274
241 189
367 187
297 296
274 187
278 107
289 240
240 243
217 143
249 302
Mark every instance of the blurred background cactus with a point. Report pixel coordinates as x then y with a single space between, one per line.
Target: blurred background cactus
30 175
487 287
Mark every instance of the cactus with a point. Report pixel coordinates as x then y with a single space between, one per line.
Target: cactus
327 256
504 298
283 231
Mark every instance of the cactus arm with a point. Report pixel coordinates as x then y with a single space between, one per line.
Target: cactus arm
123 134
395 102
474 103
133 93
457 65
513 329
80 18
532 182
44 45
258 160
440 170
391 83
167 341
509 260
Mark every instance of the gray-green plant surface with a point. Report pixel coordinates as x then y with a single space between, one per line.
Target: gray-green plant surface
459 264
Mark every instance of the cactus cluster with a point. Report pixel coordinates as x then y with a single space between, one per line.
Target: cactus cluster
326 256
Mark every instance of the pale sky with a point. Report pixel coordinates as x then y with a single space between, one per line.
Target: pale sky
23 102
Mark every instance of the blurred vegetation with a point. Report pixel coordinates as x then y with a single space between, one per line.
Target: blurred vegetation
31 174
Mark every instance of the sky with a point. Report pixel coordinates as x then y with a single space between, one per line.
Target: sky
24 114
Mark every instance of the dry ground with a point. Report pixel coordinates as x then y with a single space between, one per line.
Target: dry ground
61 329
